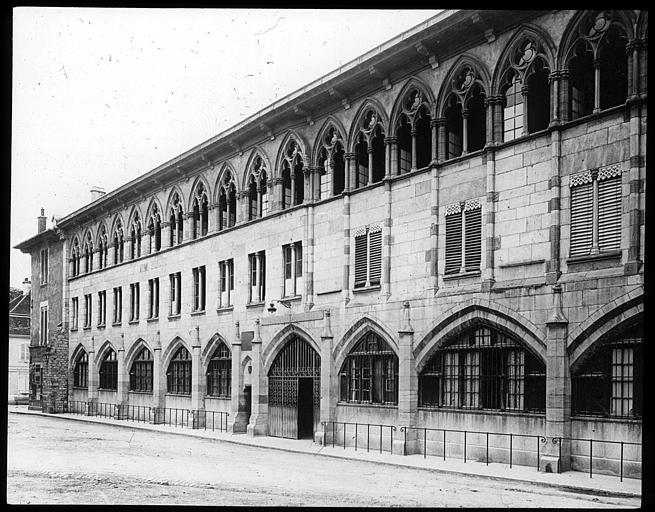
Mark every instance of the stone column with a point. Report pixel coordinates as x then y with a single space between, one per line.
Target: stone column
414 155
165 235
307 186
259 200
553 80
329 385
553 263
258 423
556 452
317 173
632 257
564 114
443 148
293 189
93 378
243 204
123 382
405 443
643 69
188 226
489 113
238 419
434 133
488 277
465 131
524 94
279 192
369 149
351 165
308 260
392 143
596 85
387 242
197 384
498 107
158 384
345 284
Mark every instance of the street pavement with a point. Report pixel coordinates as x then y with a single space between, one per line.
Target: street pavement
55 461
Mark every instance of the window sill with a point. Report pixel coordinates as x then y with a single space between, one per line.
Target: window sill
364 289
215 397
117 324
131 392
73 329
133 322
255 304
181 395
152 319
174 317
482 411
337 290
462 275
198 313
101 326
80 388
292 298
609 419
594 257
86 328
366 404
108 390
521 263
225 309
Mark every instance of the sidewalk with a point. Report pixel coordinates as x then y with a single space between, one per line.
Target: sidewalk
572 480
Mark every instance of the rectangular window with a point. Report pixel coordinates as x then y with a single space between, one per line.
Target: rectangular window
153 298
292 256
199 284
175 305
257 272
463 237
134 302
368 256
44 326
87 311
75 308
595 211
118 305
226 282
24 354
44 265
102 307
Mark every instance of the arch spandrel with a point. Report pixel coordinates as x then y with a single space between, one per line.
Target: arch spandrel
356 126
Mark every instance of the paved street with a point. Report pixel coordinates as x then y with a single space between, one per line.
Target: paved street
53 461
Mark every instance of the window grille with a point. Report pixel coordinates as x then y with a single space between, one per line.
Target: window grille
178 376
109 371
81 371
369 373
219 373
141 371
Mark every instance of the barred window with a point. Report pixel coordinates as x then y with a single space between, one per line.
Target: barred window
484 369
141 371
610 382
368 256
178 376
596 211
463 237
369 373
219 372
81 371
109 371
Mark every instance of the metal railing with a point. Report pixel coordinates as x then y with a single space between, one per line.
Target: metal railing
218 419
138 413
174 416
621 446
378 430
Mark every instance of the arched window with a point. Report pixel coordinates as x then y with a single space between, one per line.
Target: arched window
154 230
369 373
81 371
102 248
227 202
332 164
525 89
178 375
598 62
135 236
610 382
75 258
109 371
141 371
175 220
219 372
483 368
414 145
119 243
369 150
88 254
465 114
200 212
293 184
257 189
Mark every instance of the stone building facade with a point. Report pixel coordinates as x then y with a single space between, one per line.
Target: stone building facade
447 232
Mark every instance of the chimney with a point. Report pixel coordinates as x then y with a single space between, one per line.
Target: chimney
27 286
97 193
42 219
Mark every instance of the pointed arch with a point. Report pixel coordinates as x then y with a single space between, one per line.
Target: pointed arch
75 354
303 150
211 347
478 311
115 223
413 82
222 174
171 348
257 151
329 122
134 349
612 317
483 78
135 212
642 25
152 204
174 193
102 352
199 180
355 127
101 229
354 333
279 340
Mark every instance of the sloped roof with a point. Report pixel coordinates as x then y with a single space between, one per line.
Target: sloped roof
19 314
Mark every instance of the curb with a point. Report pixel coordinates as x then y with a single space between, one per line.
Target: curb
564 486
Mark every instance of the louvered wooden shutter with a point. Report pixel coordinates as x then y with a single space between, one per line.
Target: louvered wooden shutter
361 258
473 239
453 242
581 219
375 255
609 214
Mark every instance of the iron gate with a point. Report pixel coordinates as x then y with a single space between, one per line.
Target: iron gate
295 361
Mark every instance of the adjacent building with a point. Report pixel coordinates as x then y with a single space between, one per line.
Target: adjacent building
446 233
19 345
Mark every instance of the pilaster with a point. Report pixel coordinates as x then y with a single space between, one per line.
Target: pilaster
238 419
329 384
407 388
197 384
258 424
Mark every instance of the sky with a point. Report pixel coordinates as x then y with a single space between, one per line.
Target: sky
103 95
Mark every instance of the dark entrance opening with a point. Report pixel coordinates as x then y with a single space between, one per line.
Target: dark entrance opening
305 408
247 398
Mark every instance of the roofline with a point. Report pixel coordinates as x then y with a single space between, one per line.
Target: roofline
39 237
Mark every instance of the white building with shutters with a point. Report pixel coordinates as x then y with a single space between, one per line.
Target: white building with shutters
446 233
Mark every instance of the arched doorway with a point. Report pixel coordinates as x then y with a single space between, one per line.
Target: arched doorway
294 386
